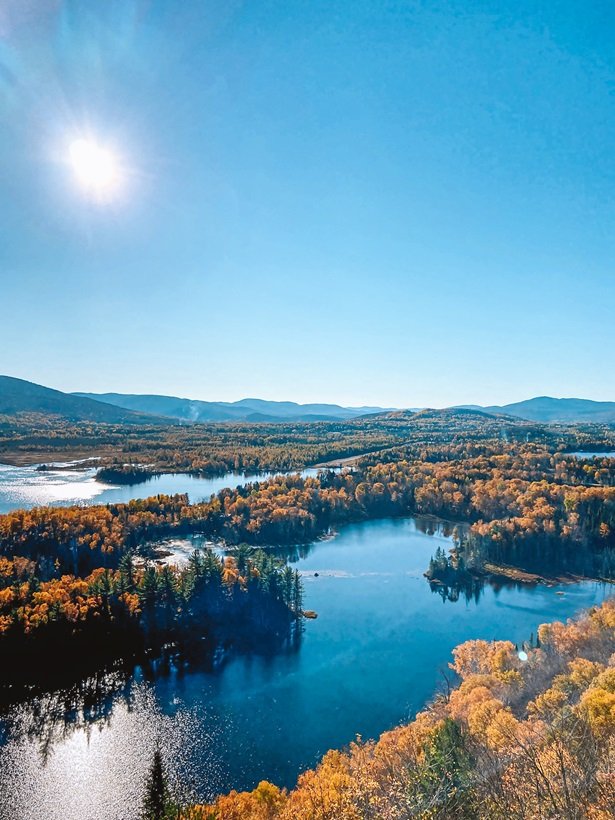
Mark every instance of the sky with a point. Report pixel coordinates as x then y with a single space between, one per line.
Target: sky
376 202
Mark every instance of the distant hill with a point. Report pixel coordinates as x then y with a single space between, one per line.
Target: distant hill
19 396
244 410
549 410
440 413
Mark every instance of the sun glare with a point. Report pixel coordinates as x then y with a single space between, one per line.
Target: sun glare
96 168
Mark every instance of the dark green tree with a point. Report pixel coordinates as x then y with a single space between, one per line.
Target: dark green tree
243 554
158 803
127 577
444 782
297 598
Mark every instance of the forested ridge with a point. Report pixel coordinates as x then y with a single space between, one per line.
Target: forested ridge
217 448
210 449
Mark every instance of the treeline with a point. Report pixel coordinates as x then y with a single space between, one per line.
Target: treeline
211 449
77 540
123 474
246 598
73 598
517 508
205 449
515 740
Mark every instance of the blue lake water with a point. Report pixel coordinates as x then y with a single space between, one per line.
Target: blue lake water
588 455
26 487
374 656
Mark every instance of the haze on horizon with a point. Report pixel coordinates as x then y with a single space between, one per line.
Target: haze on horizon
399 204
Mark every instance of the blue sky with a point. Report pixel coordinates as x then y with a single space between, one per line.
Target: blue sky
395 203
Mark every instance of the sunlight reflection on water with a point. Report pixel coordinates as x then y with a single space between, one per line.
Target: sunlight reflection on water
99 768
26 487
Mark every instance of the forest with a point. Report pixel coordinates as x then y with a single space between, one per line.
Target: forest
523 502
78 592
214 449
67 576
78 623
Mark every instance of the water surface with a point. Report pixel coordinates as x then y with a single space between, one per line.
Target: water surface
588 455
373 657
27 487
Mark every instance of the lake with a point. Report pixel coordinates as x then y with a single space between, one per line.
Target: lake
588 455
373 657
27 487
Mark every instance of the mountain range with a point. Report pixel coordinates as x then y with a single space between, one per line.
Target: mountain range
548 410
252 410
18 396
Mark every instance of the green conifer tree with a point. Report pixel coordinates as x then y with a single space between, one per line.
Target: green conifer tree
158 804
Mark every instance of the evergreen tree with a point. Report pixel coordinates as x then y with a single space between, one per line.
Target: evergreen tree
127 578
288 583
157 804
297 602
243 554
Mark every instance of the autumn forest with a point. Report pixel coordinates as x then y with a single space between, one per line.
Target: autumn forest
82 590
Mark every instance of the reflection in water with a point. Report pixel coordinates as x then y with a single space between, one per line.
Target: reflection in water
460 571
48 718
372 658
82 762
178 550
470 588
66 746
52 717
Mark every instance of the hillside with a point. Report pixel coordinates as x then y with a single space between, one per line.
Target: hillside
548 410
18 396
250 410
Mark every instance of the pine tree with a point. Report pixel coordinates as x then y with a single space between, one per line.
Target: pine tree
243 554
297 603
157 804
127 577
288 583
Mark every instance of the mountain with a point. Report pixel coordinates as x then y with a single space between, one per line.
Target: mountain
243 410
19 396
549 410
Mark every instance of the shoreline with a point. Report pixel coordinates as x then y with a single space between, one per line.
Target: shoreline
16 458
512 573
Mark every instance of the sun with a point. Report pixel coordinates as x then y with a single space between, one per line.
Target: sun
96 167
